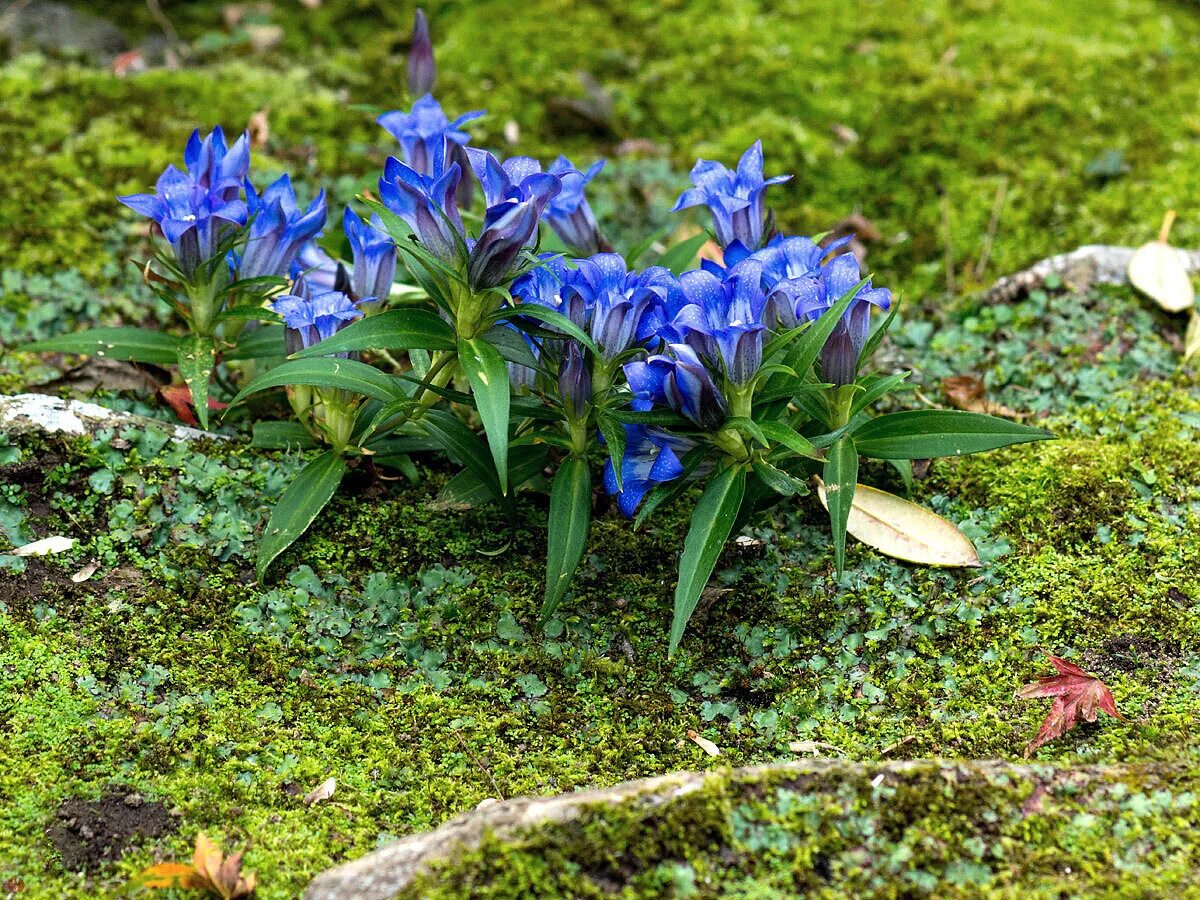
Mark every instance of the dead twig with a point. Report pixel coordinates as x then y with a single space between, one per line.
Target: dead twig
993 226
479 763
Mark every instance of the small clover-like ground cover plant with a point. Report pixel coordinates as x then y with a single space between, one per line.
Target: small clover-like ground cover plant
451 330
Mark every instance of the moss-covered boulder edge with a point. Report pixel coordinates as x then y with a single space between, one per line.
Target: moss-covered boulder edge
812 828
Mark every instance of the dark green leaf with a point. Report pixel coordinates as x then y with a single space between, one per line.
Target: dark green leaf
778 481
570 513
524 464
928 433
781 434
197 358
465 446
344 374
406 328
712 522
841 478
300 504
282 436
550 317
614 437
135 344
876 389
263 342
488 377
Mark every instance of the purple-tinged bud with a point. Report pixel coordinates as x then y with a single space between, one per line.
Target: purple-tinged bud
422 71
574 381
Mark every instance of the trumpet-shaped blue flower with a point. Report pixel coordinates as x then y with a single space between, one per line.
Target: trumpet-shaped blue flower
652 457
427 204
193 218
278 229
516 193
569 213
422 71
218 169
618 308
314 270
783 260
723 319
733 197
308 320
374 256
812 296
679 380
425 133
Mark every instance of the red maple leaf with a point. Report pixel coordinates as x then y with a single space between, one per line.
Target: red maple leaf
179 398
1076 694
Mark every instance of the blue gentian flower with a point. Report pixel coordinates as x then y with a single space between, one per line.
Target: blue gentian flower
783 260
733 197
812 296
569 213
278 229
722 319
427 204
425 132
574 380
516 194
374 256
309 320
313 270
652 456
192 217
679 380
618 308
422 71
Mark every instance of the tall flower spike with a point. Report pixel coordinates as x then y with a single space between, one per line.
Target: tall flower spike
374 256
427 204
517 194
309 320
569 213
814 295
278 229
733 197
422 72
425 134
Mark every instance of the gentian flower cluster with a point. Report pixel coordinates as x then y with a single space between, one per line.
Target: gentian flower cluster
199 207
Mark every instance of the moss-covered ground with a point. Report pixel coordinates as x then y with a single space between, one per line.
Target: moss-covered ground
389 652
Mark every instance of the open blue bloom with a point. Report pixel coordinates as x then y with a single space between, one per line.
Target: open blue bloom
569 213
374 256
783 260
814 295
278 229
517 194
313 270
425 132
723 319
679 380
733 197
216 168
652 456
422 72
618 308
309 320
427 204
192 217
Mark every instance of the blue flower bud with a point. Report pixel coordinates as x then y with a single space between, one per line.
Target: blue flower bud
422 72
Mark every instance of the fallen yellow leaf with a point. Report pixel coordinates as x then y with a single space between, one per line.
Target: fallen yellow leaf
1156 270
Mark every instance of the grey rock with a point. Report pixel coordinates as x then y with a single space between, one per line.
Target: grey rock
54 27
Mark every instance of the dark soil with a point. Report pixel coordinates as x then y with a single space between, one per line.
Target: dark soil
87 833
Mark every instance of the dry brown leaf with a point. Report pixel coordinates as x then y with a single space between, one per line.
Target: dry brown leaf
1191 340
210 871
966 392
704 743
322 791
1156 270
813 748
904 530
259 126
85 573
46 546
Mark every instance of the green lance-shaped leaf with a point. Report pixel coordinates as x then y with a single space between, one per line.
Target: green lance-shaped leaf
396 329
680 257
263 342
570 514
614 438
712 521
131 344
927 433
525 462
841 476
300 504
272 435
344 374
488 377
197 358
465 446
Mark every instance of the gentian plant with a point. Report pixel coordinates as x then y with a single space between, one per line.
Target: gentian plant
744 380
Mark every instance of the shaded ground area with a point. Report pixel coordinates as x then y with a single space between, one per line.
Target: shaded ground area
390 653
